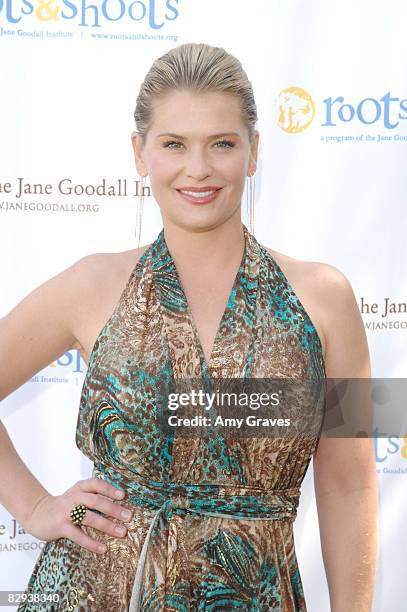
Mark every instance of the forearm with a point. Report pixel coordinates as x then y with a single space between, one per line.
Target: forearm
20 491
349 547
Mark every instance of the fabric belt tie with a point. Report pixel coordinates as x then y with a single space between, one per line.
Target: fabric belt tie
171 498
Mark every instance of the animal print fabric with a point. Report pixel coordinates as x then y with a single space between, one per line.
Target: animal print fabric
212 526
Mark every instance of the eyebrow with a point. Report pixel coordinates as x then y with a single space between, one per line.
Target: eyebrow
209 138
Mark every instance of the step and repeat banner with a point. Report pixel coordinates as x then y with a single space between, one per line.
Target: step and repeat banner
330 82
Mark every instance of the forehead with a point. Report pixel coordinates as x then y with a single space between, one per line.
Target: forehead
186 110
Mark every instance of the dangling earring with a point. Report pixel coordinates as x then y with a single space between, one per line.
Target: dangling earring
250 193
139 208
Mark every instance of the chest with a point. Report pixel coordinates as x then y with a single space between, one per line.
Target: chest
207 300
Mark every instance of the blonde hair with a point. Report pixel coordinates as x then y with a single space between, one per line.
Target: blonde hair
200 68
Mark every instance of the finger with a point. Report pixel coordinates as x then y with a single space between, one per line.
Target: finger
97 485
77 535
102 524
104 505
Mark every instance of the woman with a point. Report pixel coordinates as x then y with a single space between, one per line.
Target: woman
211 525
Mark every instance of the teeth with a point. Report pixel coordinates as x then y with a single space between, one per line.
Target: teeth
203 194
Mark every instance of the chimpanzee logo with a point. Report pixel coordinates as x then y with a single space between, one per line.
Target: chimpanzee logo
296 109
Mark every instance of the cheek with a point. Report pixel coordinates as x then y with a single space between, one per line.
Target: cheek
161 173
234 168
236 176
163 168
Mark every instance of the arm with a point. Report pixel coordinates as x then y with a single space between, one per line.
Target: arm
20 491
344 468
34 333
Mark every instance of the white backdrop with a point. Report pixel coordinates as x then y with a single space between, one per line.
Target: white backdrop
330 186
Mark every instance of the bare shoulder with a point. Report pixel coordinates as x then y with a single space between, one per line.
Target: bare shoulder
323 277
324 291
98 272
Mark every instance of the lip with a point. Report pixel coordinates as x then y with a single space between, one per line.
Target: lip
199 189
197 201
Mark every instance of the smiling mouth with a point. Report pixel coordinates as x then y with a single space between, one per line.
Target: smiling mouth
199 197
199 194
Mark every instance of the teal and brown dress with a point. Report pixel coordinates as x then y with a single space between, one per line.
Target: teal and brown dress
212 525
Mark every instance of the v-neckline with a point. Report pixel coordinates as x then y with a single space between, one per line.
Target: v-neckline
207 364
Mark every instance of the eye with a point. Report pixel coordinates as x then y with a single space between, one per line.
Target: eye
229 144
167 144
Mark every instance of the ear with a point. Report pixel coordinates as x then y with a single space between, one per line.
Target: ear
254 147
138 154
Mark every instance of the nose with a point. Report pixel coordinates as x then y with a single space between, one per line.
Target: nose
197 166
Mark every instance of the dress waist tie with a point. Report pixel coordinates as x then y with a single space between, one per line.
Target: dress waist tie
173 498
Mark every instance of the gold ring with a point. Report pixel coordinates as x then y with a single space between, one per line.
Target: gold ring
77 513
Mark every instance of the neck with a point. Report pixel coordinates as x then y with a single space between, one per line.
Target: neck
208 249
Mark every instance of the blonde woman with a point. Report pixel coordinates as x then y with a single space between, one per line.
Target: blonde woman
210 523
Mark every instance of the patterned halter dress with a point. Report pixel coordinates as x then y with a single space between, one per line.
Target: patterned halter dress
212 525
